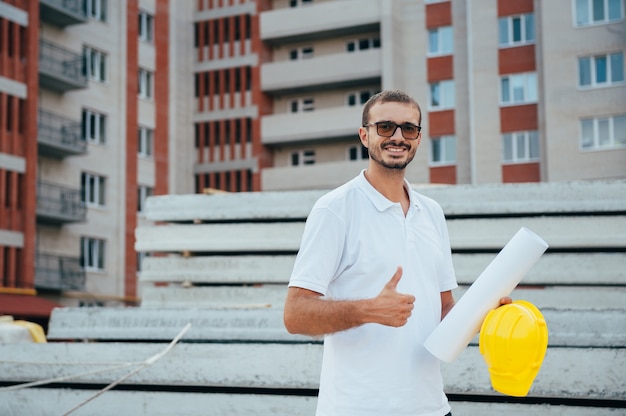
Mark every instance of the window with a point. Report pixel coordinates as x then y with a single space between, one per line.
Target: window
303 157
440 41
296 3
90 304
92 253
302 52
358 97
93 189
302 105
516 30
590 12
358 152
141 256
96 9
601 70
145 142
93 127
520 146
146 26
95 64
143 192
442 95
362 44
145 83
442 150
519 88
603 132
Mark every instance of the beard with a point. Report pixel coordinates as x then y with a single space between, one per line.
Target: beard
392 163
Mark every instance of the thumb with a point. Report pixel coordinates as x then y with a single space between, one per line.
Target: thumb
393 283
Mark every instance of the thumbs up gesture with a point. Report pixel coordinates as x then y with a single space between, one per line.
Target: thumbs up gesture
390 307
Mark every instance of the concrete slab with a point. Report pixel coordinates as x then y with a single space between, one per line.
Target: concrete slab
567 328
565 232
585 373
218 269
591 196
551 269
151 403
566 297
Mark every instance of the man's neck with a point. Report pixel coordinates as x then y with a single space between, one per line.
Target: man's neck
388 182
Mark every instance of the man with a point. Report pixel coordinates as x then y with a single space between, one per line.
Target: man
374 275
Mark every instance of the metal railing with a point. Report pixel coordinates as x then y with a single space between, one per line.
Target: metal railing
62 63
60 131
59 204
72 6
56 272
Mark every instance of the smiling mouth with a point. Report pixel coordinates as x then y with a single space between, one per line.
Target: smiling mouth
393 148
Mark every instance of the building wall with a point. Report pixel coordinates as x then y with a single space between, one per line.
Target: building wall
24 165
564 103
479 120
226 109
107 159
18 86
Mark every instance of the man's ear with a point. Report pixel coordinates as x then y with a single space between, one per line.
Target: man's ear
363 136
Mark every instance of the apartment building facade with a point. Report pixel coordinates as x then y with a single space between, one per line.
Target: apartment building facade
511 91
84 129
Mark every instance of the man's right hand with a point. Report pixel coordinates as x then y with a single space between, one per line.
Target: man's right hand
390 307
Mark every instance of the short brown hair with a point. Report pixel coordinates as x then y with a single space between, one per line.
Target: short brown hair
393 96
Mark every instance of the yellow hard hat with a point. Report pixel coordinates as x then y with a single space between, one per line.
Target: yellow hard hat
513 341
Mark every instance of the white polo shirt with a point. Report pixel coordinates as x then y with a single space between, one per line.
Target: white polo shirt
354 240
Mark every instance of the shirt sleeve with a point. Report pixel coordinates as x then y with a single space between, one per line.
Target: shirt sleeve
320 251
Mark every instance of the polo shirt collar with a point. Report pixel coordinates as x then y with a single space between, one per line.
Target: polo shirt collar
379 200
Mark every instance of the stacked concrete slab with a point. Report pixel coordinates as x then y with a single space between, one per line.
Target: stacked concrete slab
221 262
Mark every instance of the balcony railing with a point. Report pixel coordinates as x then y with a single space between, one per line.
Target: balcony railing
58 136
326 72
59 204
323 125
53 272
62 13
60 69
332 19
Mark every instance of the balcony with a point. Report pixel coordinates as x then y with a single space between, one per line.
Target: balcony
318 125
59 204
318 176
62 13
325 20
58 136
344 70
53 272
60 70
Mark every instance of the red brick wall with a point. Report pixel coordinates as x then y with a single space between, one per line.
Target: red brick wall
132 68
518 118
509 8
443 174
438 14
230 86
28 187
441 123
161 97
517 59
522 172
19 54
440 68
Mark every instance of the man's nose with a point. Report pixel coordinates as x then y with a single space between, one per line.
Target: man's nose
397 133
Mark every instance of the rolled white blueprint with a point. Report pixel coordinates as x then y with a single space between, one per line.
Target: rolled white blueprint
498 280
